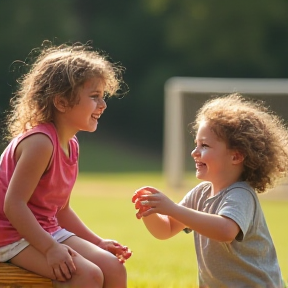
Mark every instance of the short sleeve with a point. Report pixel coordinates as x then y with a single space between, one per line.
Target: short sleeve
239 205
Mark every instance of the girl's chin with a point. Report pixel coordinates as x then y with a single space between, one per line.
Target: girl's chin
93 127
93 130
90 129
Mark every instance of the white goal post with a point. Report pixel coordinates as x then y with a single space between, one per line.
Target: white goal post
176 92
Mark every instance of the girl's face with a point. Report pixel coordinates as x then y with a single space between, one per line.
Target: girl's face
84 115
213 159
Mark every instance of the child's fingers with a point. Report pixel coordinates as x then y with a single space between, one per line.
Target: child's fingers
134 197
138 215
138 199
138 193
148 189
66 270
124 255
127 254
122 251
141 211
58 274
137 204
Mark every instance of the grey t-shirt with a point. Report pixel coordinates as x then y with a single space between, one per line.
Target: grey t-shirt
248 261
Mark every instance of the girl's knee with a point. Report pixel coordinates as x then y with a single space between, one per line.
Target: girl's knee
87 275
95 275
120 270
117 276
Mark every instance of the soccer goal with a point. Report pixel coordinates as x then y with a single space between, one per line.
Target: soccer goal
185 95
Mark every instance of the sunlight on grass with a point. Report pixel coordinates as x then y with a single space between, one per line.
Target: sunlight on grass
103 201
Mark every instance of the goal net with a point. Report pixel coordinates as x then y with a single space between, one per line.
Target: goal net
185 95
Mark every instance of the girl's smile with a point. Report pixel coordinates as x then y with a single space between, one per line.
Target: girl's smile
85 114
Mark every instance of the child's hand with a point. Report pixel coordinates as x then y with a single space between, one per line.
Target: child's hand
149 200
141 208
59 258
138 205
121 252
138 193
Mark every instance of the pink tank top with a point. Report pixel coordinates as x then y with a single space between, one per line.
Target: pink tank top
53 190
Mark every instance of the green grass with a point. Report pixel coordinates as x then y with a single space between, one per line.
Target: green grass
103 201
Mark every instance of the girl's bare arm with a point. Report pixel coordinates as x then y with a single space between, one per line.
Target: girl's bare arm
32 155
69 220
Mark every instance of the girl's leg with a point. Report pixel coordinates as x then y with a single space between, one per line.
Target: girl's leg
87 274
114 271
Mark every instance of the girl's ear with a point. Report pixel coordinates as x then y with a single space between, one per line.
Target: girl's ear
60 103
237 157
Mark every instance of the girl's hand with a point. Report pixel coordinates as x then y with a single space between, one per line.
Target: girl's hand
149 200
121 252
59 258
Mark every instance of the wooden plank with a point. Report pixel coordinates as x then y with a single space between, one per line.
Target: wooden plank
12 276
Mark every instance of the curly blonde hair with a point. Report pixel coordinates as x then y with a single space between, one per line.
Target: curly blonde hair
255 131
58 70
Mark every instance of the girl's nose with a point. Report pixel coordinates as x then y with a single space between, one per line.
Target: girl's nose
194 152
101 104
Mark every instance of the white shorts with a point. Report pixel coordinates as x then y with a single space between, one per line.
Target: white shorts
9 251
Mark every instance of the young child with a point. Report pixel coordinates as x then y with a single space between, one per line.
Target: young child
63 93
241 150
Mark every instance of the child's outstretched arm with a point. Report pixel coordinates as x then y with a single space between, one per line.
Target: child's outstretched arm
212 226
160 226
29 169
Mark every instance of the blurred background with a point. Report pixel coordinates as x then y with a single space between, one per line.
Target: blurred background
154 40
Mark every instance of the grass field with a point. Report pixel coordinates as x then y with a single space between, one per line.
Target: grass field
103 201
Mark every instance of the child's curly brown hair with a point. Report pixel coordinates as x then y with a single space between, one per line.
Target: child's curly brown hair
58 70
252 129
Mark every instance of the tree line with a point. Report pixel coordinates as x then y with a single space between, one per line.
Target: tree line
154 40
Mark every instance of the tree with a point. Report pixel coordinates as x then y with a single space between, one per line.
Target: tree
154 40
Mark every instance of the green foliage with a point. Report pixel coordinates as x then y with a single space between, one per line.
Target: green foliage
24 25
154 40
115 156
103 201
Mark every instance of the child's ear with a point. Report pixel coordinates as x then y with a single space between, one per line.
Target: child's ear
237 157
60 103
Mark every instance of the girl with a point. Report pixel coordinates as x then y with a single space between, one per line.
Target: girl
241 149
63 93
